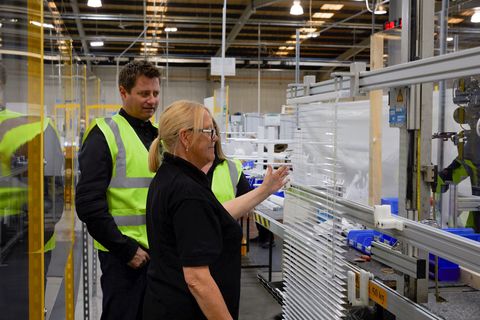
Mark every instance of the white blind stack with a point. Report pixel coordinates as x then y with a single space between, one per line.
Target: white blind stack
313 255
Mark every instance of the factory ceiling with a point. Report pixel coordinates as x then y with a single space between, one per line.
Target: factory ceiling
256 30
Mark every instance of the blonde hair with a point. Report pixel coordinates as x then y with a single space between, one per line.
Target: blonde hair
218 144
179 115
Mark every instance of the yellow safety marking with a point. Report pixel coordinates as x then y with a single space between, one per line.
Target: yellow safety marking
35 99
377 294
400 96
69 288
67 106
263 221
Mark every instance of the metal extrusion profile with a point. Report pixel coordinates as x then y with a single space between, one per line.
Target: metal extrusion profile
274 226
348 209
402 307
408 265
320 88
468 203
449 66
389 298
460 250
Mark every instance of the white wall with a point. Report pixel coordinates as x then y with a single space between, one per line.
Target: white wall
183 83
196 84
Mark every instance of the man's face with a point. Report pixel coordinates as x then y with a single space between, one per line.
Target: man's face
142 101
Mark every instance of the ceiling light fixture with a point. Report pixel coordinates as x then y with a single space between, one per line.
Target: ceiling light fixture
476 16
45 25
455 20
148 49
296 9
449 39
323 15
380 10
308 30
96 43
377 9
171 29
335 7
94 3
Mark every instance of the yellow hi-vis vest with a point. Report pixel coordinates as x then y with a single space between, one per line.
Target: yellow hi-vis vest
128 188
225 179
16 129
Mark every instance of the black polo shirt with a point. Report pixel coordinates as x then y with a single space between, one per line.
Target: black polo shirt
187 226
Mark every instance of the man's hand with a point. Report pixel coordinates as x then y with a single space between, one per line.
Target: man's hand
140 258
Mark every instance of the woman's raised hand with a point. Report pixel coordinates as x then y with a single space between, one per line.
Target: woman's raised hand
275 179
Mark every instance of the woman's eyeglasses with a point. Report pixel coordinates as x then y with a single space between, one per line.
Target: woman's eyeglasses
212 132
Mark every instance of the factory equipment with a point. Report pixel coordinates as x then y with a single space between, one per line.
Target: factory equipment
317 274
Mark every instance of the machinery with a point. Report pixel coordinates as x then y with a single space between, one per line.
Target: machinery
320 282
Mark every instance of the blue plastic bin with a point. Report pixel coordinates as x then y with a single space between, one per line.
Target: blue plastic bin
361 240
248 164
447 270
280 193
393 202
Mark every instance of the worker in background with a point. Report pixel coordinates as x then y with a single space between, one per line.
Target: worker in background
226 177
112 190
194 240
467 163
17 130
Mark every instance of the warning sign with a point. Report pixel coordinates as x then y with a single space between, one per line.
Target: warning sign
399 96
377 294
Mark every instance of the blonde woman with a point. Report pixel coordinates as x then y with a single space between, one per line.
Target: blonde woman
194 272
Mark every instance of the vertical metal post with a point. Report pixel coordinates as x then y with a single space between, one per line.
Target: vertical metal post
258 73
223 124
35 102
166 67
441 88
85 273
453 210
297 56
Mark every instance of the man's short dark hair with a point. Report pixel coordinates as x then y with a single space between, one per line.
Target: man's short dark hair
133 70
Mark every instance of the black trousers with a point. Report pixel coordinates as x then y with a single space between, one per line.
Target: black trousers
123 289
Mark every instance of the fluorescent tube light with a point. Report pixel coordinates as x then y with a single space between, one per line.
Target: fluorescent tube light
94 3
45 25
476 16
96 43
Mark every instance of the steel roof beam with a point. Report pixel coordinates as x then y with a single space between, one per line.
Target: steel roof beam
80 30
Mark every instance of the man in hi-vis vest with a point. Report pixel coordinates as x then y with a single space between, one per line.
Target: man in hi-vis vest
112 190
17 131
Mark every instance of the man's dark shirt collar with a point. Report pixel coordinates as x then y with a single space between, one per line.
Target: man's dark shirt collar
134 122
187 168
